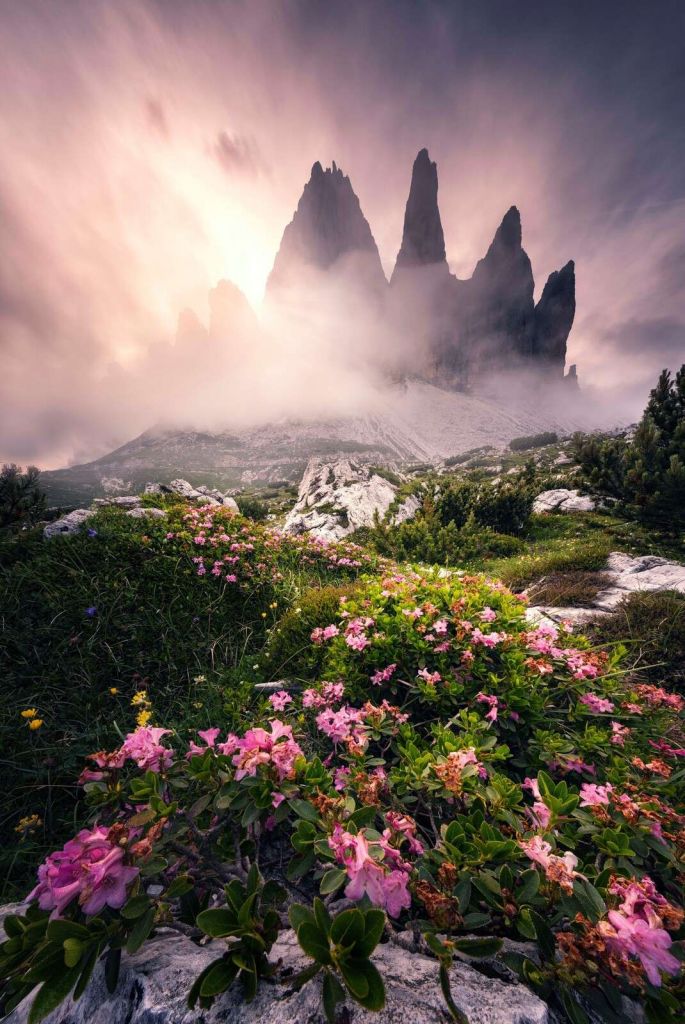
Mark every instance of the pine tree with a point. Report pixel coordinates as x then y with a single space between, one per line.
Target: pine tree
21 499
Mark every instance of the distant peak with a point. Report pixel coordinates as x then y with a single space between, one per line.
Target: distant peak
509 231
423 241
317 170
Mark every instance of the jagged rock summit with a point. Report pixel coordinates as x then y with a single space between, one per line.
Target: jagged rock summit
328 230
423 241
456 332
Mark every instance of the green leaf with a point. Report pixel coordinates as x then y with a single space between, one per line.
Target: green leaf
221 975
528 887
590 900
112 964
314 942
303 809
575 1013
333 993
51 994
348 928
179 887
86 971
545 937
323 918
525 925
73 951
194 993
300 864
217 922
273 894
135 907
355 978
375 996
140 931
374 923
332 880
13 926
61 930
478 948
298 914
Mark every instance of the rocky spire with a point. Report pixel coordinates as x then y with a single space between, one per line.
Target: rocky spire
500 295
423 241
327 226
554 315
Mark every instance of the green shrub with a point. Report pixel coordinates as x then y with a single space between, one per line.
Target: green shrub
652 628
290 652
647 475
252 507
522 444
22 502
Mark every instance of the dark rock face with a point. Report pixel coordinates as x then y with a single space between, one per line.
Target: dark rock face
458 331
327 230
423 242
554 315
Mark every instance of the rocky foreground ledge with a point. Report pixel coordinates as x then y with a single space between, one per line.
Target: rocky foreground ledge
154 983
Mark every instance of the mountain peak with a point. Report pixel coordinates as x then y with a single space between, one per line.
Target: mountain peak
327 225
423 241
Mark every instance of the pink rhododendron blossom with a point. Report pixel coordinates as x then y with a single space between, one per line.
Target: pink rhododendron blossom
532 785
440 627
368 876
633 936
90 868
383 675
342 725
143 747
280 700
619 734
561 870
430 677
209 736
488 615
666 748
595 703
592 795
487 639
259 747
493 704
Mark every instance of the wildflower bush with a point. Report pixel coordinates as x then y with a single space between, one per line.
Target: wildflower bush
451 768
180 606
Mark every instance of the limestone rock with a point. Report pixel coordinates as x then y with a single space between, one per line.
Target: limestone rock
563 500
202 494
407 510
642 573
423 241
554 315
123 501
328 228
336 498
146 513
71 523
154 983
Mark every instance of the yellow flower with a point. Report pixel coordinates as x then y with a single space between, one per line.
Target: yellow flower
35 723
200 679
143 717
28 824
263 615
113 690
139 698
29 713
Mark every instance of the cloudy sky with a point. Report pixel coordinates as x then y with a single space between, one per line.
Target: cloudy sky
149 149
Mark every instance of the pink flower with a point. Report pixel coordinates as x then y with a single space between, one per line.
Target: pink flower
488 615
597 704
280 699
366 875
440 627
143 747
493 704
619 733
532 785
209 736
259 747
357 642
633 936
277 800
430 677
383 675
592 795
487 639
561 870
541 814
89 867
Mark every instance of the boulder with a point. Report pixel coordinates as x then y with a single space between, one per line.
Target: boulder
123 501
627 575
202 494
563 500
146 513
336 498
154 983
71 523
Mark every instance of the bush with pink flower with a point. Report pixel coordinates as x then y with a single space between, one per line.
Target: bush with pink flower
450 767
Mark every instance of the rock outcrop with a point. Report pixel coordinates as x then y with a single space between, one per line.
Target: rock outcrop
154 983
627 575
563 500
65 525
553 319
328 230
336 498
